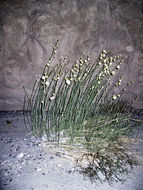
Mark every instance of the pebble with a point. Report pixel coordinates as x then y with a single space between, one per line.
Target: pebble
129 48
72 170
38 169
21 155
9 141
1 139
69 171
51 158
57 154
40 156
28 157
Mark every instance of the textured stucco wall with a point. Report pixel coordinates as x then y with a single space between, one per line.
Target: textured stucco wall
29 29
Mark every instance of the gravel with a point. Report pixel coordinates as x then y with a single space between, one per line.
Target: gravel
29 163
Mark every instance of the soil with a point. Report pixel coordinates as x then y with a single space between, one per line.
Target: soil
29 163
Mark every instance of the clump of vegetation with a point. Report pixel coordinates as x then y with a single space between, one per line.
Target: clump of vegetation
75 106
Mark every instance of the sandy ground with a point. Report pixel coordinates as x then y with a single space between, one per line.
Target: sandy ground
26 163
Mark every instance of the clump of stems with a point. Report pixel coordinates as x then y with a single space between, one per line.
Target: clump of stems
77 103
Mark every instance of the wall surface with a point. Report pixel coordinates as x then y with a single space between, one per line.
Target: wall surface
29 29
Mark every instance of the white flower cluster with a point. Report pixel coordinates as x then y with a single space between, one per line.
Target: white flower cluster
119 81
57 77
76 70
106 62
114 97
45 81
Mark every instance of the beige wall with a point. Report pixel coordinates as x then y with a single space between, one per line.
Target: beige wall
29 29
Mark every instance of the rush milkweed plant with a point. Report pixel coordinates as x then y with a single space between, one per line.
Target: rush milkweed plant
74 105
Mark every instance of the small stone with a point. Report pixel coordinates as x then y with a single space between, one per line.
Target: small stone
40 156
28 157
10 180
38 169
1 139
5 184
6 174
69 171
57 154
9 141
18 147
129 49
8 122
21 155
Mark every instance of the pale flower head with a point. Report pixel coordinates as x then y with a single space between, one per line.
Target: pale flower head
128 83
118 67
107 72
120 80
68 82
114 97
71 79
113 73
99 63
43 77
105 65
111 59
52 98
85 122
79 78
103 55
121 61
76 65
47 83
104 51
73 71
81 60
119 84
88 57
